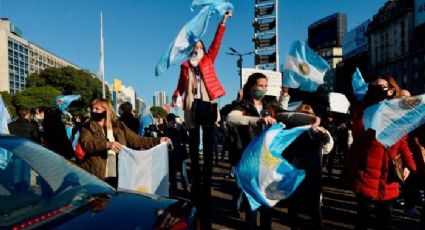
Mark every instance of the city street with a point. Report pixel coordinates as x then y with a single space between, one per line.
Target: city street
338 206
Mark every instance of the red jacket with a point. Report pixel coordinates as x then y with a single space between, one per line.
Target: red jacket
206 65
369 161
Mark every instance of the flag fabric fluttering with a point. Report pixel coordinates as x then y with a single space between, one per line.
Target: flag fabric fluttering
304 69
393 119
63 101
292 106
144 171
359 85
5 117
191 33
145 118
263 174
338 102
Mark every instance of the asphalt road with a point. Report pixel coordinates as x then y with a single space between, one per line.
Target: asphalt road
338 208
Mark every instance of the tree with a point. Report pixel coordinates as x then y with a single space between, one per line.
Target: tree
158 112
69 80
34 97
7 98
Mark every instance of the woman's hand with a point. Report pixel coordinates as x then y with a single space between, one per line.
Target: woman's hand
267 120
316 123
114 146
168 141
226 16
406 173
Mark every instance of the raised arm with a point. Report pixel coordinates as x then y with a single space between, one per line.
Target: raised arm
215 45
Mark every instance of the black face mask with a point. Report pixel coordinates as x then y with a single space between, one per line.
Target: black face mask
377 93
97 116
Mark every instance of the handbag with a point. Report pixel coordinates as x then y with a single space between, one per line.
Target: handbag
204 112
80 152
396 170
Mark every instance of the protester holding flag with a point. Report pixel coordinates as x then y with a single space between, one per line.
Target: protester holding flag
306 153
369 162
103 137
250 117
199 83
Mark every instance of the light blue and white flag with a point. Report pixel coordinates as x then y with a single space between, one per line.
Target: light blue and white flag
145 118
263 174
191 33
292 106
75 140
63 101
5 117
144 171
393 119
359 85
5 158
304 69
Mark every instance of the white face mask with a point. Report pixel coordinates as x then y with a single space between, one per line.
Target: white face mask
196 56
39 117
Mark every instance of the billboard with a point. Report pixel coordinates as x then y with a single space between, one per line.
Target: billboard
327 32
419 12
355 41
274 80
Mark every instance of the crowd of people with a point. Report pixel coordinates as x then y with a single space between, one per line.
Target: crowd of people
367 171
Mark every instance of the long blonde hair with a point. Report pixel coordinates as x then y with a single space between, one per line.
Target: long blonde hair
111 117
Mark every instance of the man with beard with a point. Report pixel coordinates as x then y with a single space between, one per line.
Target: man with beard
199 82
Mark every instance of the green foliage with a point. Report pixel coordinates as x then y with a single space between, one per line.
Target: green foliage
69 80
7 98
34 97
158 112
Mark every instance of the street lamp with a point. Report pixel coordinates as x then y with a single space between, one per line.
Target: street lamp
240 60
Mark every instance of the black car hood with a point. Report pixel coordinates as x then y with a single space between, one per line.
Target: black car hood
123 210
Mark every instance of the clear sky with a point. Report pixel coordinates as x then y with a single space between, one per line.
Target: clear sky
136 33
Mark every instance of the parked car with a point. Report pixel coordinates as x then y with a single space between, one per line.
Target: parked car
40 189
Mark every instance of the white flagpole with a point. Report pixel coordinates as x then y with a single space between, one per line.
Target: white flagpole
101 64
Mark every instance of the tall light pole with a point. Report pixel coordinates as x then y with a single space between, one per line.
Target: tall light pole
101 62
240 60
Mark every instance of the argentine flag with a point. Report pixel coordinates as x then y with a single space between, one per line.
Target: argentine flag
63 101
145 118
5 117
263 174
393 119
144 170
294 105
359 85
191 33
303 69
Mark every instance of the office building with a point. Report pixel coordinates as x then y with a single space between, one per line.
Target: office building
20 58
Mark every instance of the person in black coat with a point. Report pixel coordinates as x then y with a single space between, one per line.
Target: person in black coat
23 126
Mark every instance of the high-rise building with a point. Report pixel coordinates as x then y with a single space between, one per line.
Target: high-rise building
266 35
160 98
20 57
325 36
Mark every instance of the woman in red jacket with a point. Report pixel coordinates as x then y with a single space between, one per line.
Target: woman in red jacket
369 160
198 80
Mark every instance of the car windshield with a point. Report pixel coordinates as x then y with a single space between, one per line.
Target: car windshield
35 181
